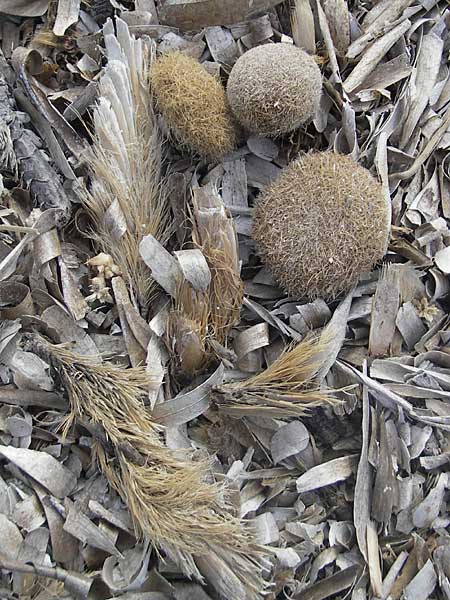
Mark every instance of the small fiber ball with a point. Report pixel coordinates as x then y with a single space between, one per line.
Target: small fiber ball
321 224
274 88
194 105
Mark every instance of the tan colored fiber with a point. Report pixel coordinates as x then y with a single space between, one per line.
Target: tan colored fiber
321 224
126 199
287 388
194 105
275 88
170 496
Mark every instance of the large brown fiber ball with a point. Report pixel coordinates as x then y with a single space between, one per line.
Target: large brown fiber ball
194 105
321 224
274 88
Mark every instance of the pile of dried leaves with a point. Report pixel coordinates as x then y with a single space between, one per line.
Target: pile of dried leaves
172 425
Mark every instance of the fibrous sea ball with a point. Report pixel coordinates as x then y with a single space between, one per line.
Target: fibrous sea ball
194 105
274 88
321 224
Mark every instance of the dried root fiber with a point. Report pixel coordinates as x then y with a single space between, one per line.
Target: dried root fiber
194 105
321 224
274 88
166 491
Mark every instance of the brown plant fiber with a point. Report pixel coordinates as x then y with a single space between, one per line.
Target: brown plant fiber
194 105
274 88
126 199
321 224
166 491
199 319
287 388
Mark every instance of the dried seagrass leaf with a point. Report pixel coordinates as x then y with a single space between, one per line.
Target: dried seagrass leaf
15 300
327 473
24 8
337 15
68 331
334 334
288 440
164 268
66 15
427 68
426 511
11 537
187 406
363 485
377 21
191 15
73 298
135 329
64 546
222 45
331 585
83 529
423 584
373 558
302 22
384 489
43 468
384 312
373 55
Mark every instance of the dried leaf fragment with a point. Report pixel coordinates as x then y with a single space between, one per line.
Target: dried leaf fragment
328 473
43 468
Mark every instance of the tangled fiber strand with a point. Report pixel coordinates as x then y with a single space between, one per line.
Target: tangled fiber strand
167 493
287 388
126 199
201 319
194 105
321 224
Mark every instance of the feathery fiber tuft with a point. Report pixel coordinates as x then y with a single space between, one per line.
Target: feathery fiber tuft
321 224
126 198
166 491
274 88
194 105
287 388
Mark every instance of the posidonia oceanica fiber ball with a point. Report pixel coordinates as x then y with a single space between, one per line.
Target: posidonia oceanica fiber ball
194 105
321 224
274 88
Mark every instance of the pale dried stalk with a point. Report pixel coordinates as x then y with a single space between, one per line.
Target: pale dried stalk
287 388
166 492
302 24
126 199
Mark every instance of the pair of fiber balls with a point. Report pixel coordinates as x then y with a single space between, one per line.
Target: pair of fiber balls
272 89
325 220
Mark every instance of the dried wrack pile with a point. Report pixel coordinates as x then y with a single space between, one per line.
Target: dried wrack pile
224 287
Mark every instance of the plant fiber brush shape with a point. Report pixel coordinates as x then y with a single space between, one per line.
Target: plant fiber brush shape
168 494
